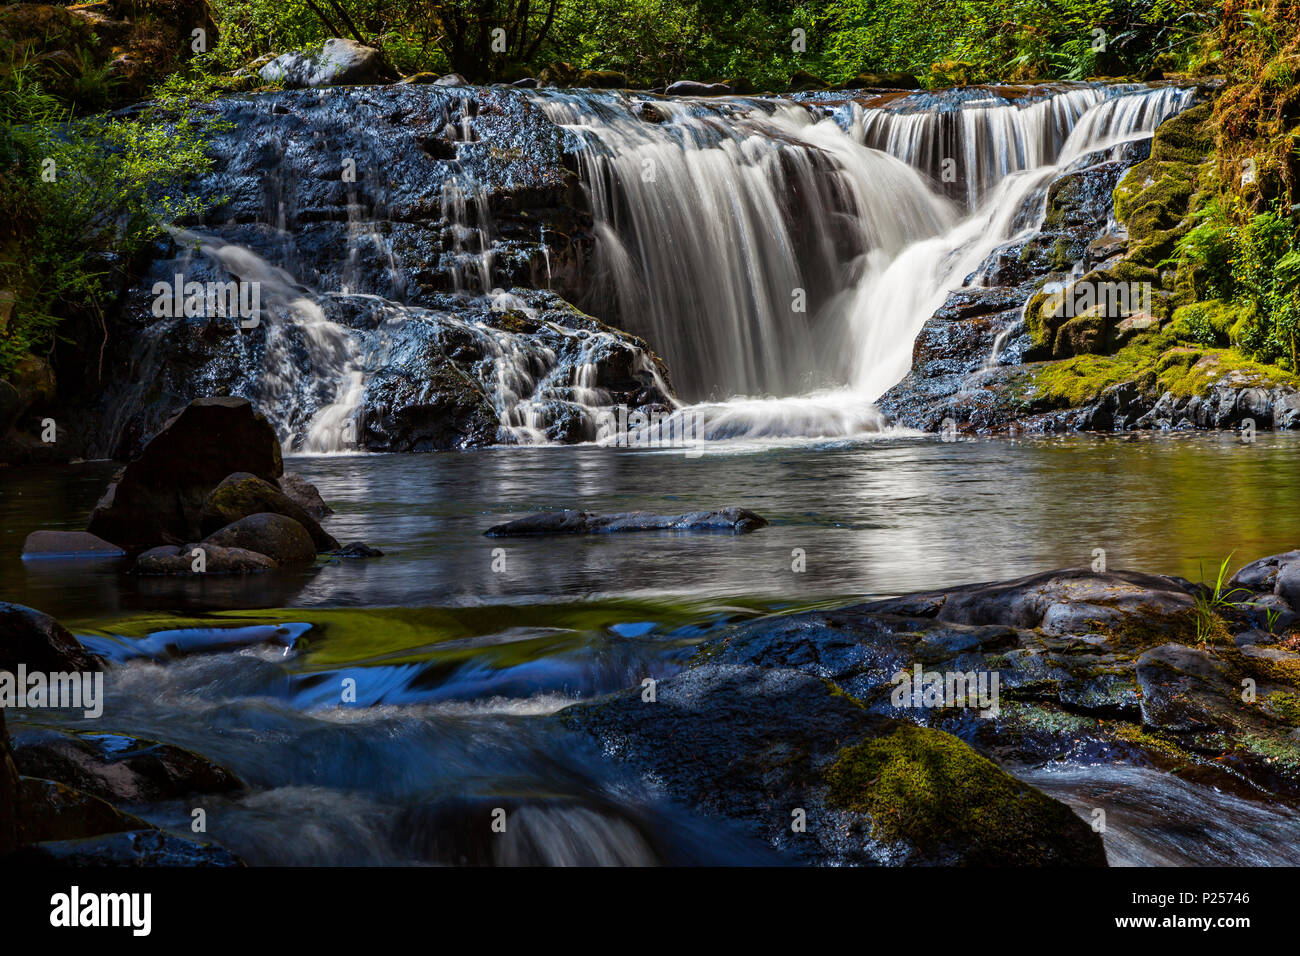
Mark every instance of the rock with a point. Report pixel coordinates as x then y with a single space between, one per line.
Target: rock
305 495
802 80
9 790
694 88
601 80
752 744
451 79
357 549
170 559
40 642
117 768
883 81
243 494
1288 584
281 539
733 520
1261 575
418 79
160 495
1183 688
339 62
68 544
134 848
52 811
526 83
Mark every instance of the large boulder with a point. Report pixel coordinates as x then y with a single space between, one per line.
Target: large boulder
339 62
243 494
40 643
159 497
282 539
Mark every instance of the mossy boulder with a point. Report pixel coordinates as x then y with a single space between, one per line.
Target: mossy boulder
802 80
242 494
601 80
932 792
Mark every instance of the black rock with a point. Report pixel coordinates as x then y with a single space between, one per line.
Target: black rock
731 520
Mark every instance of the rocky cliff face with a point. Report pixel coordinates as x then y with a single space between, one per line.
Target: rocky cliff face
385 228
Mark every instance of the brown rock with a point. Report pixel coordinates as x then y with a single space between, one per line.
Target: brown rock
282 539
243 494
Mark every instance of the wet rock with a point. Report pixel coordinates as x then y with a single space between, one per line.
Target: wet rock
732 520
243 494
51 811
451 79
169 559
119 768
159 496
68 544
134 848
40 642
339 62
1183 688
754 745
281 539
357 549
305 495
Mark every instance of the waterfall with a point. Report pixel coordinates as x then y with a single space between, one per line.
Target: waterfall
716 219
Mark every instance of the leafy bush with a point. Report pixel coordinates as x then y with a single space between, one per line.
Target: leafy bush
83 196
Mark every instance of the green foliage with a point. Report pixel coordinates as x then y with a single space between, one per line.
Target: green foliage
83 197
1255 264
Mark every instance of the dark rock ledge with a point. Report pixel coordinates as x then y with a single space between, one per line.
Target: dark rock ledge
728 520
800 712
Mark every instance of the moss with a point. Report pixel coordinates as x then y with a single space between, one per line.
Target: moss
1184 371
931 790
1285 707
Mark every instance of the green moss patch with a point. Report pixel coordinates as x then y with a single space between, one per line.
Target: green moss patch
929 789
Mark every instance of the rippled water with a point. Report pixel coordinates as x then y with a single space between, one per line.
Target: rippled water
458 668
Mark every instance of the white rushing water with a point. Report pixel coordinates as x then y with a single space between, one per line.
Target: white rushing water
717 220
782 256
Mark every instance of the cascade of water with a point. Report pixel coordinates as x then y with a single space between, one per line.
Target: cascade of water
711 215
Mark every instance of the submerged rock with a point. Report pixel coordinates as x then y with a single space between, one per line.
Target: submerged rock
732 520
41 643
160 495
68 544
